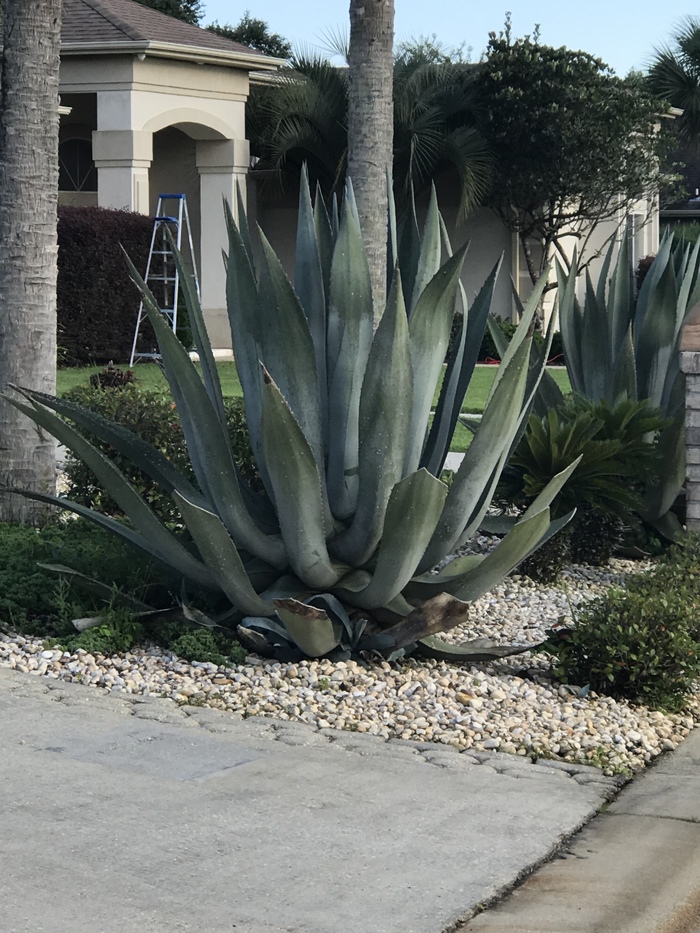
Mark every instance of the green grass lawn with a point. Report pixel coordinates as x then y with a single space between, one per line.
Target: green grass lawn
149 376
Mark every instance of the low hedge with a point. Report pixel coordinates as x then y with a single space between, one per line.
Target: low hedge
153 416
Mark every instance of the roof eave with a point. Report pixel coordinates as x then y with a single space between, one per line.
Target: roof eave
251 61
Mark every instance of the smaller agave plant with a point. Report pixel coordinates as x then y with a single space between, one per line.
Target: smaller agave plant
619 346
338 555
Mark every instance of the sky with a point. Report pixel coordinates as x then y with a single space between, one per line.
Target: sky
623 33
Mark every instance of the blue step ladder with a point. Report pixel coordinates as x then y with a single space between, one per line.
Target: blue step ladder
162 276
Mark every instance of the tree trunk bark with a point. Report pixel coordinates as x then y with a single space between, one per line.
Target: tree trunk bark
371 127
28 247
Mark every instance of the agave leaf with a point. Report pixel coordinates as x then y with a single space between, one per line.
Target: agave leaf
196 571
241 220
491 441
429 329
210 373
570 323
455 568
309 286
144 455
620 301
460 368
412 513
255 641
523 332
350 331
242 304
552 489
656 339
478 649
392 248
659 497
164 544
409 251
519 542
439 614
296 484
310 628
324 239
287 348
207 439
97 588
595 351
651 282
221 556
383 426
430 253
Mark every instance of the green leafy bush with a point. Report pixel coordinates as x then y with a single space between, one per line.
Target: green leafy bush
153 416
489 351
618 454
640 644
97 303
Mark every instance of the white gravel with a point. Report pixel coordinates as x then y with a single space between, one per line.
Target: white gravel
511 706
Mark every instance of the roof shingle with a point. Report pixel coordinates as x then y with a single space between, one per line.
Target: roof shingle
106 22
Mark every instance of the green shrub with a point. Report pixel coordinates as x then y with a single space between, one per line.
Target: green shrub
97 303
151 415
618 454
638 644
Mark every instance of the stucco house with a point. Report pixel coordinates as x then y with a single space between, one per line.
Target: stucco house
156 105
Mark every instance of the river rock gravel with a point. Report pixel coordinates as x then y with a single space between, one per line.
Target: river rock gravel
511 706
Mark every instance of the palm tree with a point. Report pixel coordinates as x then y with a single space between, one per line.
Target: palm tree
302 118
674 77
28 196
371 126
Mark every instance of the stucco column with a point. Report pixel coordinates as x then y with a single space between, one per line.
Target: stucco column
123 158
222 165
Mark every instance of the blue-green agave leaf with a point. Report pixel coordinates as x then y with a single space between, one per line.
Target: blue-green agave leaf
350 331
207 440
383 430
220 554
429 330
414 508
310 628
294 475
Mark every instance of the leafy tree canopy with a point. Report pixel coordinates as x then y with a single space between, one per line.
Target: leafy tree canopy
256 34
190 11
572 143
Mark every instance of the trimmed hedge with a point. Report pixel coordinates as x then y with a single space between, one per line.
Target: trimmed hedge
153 416
97 301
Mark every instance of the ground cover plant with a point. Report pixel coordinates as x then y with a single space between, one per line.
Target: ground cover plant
642 643
353 516
37 600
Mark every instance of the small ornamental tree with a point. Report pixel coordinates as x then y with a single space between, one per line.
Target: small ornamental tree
572 143
255 33
189 11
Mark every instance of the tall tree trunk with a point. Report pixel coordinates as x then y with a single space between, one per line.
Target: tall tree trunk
28 247
371 127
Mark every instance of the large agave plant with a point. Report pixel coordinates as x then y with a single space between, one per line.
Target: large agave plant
339 416
618 347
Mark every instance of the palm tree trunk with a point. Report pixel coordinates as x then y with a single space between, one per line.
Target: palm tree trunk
371 127
28 198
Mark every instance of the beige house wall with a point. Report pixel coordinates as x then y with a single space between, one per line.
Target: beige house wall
161 125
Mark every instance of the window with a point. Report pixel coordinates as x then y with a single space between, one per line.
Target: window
76 169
